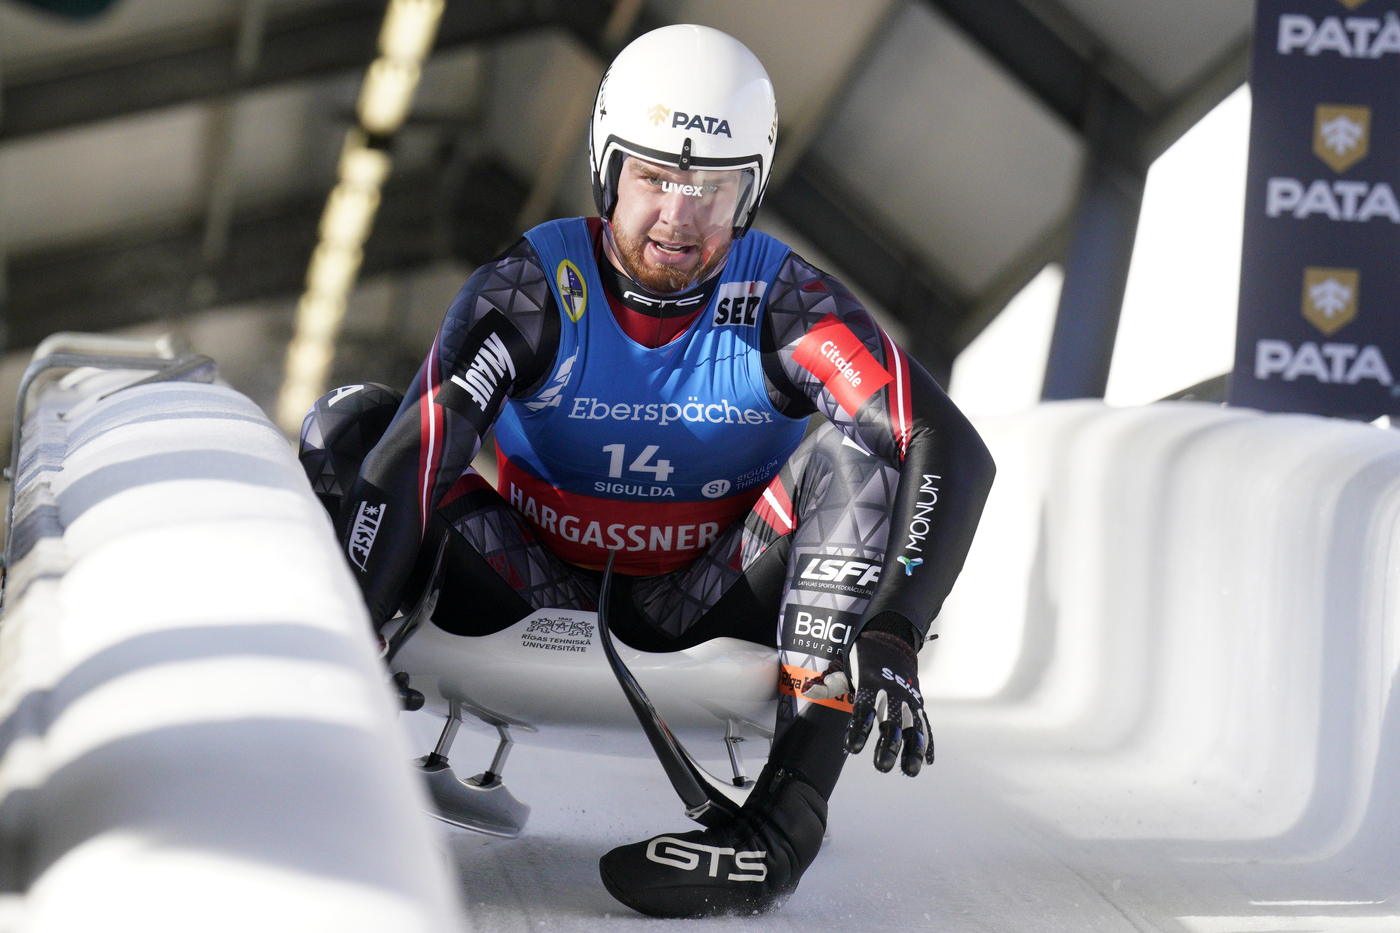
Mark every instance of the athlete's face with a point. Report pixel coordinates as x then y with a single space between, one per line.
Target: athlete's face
673 228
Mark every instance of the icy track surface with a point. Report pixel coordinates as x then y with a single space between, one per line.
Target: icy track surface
950 850
1165 701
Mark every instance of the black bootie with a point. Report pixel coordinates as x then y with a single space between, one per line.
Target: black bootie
748 865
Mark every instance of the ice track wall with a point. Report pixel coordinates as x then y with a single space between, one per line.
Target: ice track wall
194 732
1183 623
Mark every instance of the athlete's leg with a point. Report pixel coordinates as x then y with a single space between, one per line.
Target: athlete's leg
496 571
807 558
338 433
796 573
491 542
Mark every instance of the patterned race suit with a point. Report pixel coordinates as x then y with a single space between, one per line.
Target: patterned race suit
866 523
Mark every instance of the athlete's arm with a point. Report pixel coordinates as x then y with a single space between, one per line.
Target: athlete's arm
824 352
498 340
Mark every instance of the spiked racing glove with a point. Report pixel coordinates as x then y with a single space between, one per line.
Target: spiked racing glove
886 691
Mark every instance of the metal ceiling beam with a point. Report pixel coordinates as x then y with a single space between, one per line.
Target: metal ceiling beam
1060 61
939 319
1123 143
1054 71
176 69
341 37
1126 124
1217 82
137 277
1071 83
221 146
1086 92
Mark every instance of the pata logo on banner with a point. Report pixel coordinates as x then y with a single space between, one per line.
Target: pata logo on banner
1342 135
1322 216
1329 297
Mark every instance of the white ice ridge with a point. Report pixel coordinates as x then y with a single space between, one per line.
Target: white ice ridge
1177 636
194 731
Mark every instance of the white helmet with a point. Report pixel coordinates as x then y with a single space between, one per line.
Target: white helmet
688 96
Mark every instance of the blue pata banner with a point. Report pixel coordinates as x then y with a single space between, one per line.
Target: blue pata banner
1319 325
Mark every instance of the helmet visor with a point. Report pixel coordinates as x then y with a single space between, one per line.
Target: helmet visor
695 210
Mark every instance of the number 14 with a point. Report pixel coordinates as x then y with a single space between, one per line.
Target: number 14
660 469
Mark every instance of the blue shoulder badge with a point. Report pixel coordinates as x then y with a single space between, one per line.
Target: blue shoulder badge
572 289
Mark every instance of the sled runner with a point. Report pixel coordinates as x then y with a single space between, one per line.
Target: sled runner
559 679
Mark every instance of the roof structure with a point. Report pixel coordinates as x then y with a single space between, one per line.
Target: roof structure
165 163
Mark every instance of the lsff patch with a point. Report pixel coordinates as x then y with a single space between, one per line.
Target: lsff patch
572 290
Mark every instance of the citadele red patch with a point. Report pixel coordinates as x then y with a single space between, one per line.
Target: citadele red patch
837 357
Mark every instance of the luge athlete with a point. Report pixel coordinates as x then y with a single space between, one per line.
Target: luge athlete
649 374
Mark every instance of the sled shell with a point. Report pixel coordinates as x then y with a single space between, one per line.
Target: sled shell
546 677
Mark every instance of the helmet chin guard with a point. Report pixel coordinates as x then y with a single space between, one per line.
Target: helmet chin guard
686 96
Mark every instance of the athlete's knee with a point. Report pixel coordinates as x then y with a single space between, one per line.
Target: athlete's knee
837 471
339 430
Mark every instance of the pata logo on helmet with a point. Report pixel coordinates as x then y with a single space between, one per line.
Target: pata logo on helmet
711 126
658 114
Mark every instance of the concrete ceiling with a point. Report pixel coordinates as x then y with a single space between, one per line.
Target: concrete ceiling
933 134
919 139
1169 44
149 169
32 40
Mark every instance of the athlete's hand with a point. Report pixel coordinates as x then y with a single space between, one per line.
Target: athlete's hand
887 691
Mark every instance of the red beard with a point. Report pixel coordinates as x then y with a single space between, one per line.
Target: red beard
663 280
